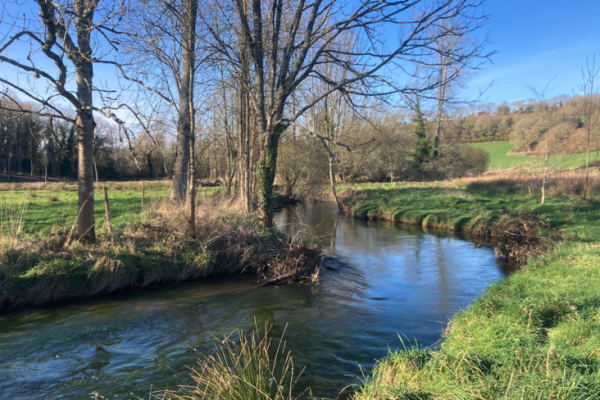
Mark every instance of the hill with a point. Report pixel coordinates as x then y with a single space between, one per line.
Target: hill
500 159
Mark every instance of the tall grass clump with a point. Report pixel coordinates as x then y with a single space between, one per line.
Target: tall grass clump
245 366
12 217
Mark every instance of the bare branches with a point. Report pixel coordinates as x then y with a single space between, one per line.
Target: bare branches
323 139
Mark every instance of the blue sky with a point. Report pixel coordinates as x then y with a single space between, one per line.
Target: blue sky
537 40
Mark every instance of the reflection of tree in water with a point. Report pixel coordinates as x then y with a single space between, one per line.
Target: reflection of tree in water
298 221
444 295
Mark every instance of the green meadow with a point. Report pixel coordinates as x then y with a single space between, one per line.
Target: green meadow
41 210
500 159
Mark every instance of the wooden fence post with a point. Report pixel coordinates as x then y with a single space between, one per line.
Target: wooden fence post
107 211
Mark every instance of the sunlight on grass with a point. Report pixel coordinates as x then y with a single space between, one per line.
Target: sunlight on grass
500 159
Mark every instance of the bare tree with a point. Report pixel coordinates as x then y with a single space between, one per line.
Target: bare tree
589 110
455 56
543 127
160 39
288 40
71 29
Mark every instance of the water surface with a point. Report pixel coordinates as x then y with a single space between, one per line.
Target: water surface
387 281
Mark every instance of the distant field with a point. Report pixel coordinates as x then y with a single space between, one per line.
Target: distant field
500 159
41 207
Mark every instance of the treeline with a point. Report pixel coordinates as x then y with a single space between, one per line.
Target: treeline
562 120
40 147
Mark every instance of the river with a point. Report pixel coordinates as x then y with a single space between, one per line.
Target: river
385 282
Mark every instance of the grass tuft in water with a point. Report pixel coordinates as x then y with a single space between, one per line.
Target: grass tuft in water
245 367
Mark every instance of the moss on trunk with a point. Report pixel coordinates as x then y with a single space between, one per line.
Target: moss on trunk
266 169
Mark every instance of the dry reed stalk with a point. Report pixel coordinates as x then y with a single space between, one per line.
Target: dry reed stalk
107 211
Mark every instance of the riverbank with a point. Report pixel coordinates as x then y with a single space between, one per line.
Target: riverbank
153 247
536 334
508 213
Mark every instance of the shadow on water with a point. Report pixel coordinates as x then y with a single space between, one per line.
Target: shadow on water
386 281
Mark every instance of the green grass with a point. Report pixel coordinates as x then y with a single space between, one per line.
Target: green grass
500 159
439 205
246 366
40 211
535 335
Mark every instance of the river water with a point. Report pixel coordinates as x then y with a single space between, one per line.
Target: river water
385 282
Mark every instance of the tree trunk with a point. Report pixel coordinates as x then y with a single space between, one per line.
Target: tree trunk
84 126
243 180
545 174
18 141
184 124
587 164
332 181
9 162
242 154
32 156
266 168
191 65
191 196
441 96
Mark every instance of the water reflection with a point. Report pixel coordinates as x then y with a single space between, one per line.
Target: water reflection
392 281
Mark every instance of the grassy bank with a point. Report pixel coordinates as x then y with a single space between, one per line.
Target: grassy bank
149 247
472 205
535 335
